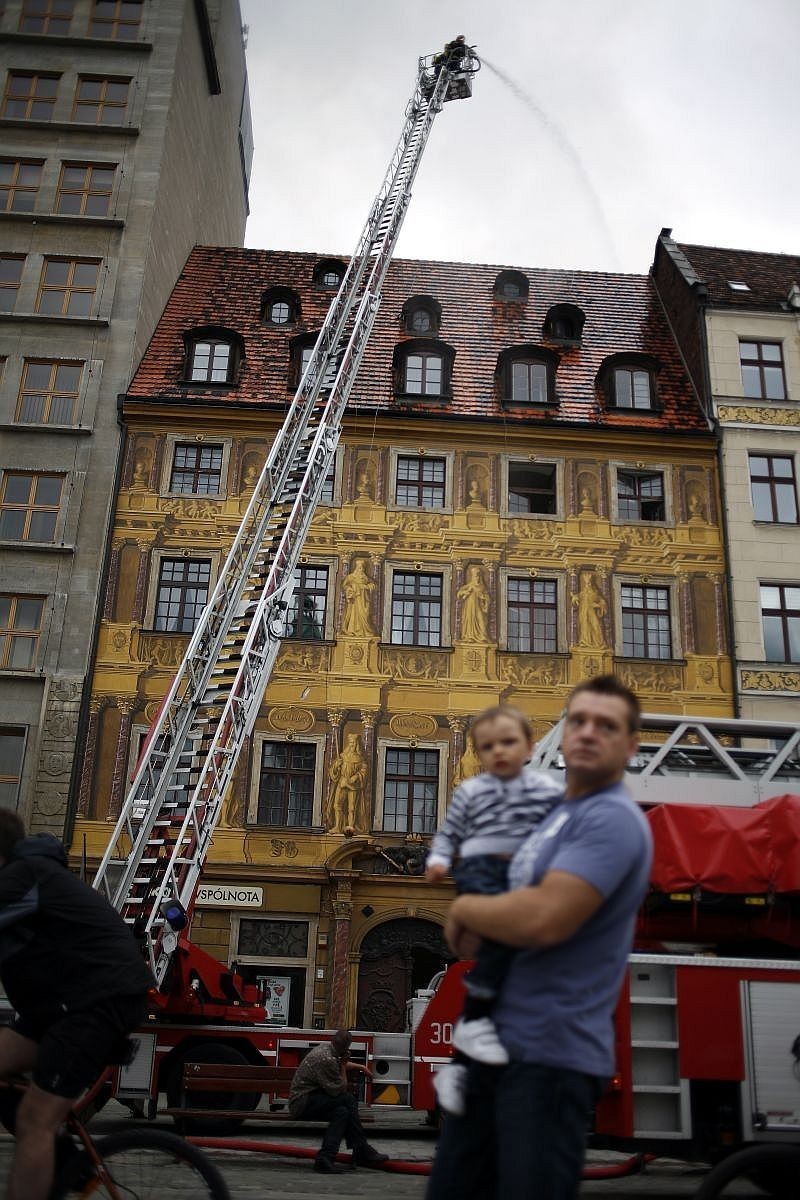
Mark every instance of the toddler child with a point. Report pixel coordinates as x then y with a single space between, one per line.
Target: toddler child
489 817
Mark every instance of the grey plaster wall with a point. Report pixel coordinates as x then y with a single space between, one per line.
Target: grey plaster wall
165 200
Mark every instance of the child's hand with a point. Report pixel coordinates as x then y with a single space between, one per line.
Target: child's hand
435 873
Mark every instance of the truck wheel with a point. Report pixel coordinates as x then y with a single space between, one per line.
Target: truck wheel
224 1102
774 1168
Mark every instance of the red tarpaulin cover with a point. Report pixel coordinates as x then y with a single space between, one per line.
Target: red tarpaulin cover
727 850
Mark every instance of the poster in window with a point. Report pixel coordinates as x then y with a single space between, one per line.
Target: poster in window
276 990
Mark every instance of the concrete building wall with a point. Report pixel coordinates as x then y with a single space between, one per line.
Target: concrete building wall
140 245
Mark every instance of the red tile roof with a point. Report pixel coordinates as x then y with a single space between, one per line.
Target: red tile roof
768 276
222 286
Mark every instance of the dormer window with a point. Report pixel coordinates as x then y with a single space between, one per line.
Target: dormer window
511 285
564 323
329 273
422 315
212 356
422 369
527 375
280 306
629 381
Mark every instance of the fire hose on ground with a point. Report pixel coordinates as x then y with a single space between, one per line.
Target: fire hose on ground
629 1166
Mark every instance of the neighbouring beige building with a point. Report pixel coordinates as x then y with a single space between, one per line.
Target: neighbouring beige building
736 317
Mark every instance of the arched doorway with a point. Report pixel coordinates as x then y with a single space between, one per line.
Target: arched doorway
397 957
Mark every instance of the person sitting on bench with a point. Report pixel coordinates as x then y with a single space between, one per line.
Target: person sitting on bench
319 1092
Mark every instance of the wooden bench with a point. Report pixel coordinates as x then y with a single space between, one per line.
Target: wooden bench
235 1078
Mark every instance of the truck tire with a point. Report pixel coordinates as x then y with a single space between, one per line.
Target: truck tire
775 1168
222 1126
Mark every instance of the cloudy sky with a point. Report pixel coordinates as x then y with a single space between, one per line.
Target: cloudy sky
625 116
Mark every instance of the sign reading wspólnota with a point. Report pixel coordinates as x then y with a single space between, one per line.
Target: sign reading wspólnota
230 895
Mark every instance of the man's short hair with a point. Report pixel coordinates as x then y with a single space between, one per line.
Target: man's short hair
341 1040
11 831
502 710
609 685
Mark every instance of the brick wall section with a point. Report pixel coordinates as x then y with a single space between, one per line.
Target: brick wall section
223 287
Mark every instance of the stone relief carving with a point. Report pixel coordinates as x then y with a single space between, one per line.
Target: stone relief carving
412 664
161 651
414 522
142 466
190 508
304 658
651 678
540 673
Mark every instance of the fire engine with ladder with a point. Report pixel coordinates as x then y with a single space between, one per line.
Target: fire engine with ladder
708 1047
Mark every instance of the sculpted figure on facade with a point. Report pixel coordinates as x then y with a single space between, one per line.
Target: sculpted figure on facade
357 588
474 598
365 480
476 487
142 466
468 765
591 610
349 772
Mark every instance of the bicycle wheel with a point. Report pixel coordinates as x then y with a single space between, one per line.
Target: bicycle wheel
147 1164
756 1171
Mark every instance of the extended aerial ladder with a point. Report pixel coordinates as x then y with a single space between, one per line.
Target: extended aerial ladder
702 760
153 863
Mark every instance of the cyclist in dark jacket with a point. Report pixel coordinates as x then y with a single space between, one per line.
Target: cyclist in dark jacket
75 976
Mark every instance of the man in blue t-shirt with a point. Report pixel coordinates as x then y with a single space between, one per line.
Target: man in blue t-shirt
577 883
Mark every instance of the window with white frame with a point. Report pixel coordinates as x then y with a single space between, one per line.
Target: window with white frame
410 799
645 621
532 615
305 616
531 488
773 488
416 614
640 495
183 590
780 619
286 785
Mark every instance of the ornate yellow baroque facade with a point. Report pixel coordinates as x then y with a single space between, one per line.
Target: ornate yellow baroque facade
336 914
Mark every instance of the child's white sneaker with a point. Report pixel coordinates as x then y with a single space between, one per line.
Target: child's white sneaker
450 1085
479 1041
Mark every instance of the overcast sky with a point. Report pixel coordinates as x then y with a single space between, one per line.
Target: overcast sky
639 115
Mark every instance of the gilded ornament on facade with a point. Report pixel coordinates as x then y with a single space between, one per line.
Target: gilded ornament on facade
289 719
412 725
771 681
283 848
745 414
